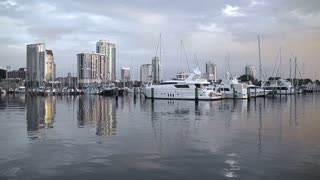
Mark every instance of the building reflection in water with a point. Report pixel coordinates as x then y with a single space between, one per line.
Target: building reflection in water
98 112
40 114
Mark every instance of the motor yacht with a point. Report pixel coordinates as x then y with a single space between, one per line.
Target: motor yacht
190 88
278 86
230 88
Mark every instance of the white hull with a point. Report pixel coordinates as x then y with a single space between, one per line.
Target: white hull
182 94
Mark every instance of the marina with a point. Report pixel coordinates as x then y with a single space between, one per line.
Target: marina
81 137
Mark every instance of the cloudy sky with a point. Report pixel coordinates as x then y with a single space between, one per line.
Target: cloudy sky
210 30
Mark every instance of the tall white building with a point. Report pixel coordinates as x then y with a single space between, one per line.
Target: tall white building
211 71
35 64
50 65
91 68
146 73
156 70
109 50
125 73
250 70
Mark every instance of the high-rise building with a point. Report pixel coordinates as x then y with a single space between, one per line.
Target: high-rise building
250 71
211 71
125 73
50 65
146 73
35 64
156 70
91 68
109 49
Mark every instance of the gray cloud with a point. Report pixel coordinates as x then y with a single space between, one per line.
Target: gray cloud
69 27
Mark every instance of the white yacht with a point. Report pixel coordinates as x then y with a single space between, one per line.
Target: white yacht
278 86
256 91
231 89
190 88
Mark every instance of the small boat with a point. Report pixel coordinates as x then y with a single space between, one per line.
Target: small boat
41 91
108 91
21 89
2 91
10 91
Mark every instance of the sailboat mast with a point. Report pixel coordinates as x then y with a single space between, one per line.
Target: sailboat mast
260 69
280 64
160 49
290 70
181 55
295 69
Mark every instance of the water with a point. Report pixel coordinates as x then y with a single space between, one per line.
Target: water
92 137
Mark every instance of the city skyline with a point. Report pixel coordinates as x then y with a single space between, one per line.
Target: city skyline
211 30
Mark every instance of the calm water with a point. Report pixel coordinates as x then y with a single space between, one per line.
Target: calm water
92 137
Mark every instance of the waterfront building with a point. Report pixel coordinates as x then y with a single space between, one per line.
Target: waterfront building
17 74
125 74
3 73
145 73
109 50
50 66
35 64
68 81
211 71
156 70
250 70
91 69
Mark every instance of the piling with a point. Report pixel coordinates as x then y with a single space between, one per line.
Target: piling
134 92
255 92
196 94
116 93
248 92
152 94
234 93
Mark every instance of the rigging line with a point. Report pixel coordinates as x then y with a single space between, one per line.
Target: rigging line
157 48
299 71
274 67
186 57
229 65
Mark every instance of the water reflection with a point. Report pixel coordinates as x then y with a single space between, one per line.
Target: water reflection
40 114
12 101
98 112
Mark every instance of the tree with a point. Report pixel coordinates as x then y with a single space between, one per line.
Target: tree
248 78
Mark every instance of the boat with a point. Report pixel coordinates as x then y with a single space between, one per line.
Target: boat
191 88
10 91
41 91
230 88
20 89
256 91
2 91
279 86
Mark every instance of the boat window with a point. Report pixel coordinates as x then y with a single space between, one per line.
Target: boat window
182 86
164 83
197 85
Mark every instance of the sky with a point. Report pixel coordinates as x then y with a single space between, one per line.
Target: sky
211 30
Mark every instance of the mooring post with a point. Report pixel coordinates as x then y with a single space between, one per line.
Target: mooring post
117 93
152 94
196 94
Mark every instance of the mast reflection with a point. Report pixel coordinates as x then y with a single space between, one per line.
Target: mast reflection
98 112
